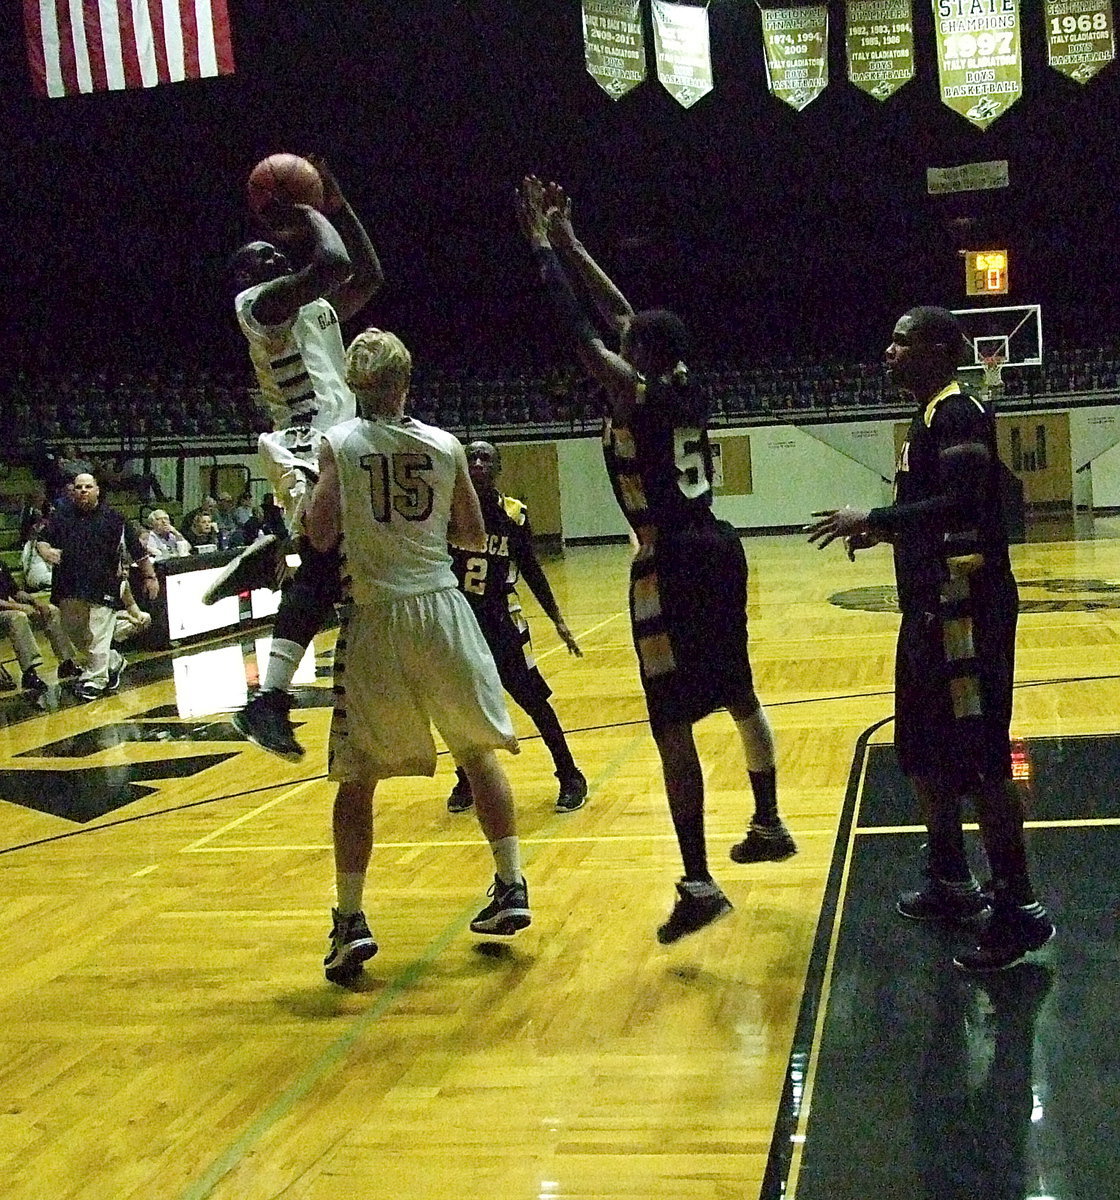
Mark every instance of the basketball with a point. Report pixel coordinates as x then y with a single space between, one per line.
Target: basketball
284 179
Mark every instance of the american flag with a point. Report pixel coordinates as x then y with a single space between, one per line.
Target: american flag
77 46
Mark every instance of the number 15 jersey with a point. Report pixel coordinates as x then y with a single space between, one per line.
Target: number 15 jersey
396 477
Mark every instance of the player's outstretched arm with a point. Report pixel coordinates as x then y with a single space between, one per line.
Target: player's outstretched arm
366 276
613 306
845 524
316 243
610 369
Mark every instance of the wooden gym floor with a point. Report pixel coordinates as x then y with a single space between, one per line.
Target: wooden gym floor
165 1030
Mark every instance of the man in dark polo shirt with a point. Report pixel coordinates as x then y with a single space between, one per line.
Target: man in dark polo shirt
86 543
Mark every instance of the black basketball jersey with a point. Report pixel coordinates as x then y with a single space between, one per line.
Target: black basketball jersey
487 577
660 463
933 525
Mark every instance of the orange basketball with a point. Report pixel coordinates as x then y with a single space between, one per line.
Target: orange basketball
284 179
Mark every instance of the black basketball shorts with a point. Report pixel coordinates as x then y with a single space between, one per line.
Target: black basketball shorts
508 639
954 673
688 612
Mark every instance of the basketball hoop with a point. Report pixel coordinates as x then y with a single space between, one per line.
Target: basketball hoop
992 366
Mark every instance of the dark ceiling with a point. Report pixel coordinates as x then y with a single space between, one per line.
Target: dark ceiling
772 231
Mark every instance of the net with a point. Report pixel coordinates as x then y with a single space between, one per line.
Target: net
992 367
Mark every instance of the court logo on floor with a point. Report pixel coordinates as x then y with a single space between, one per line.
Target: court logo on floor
1035 596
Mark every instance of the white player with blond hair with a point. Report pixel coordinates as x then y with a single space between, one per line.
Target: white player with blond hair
391 493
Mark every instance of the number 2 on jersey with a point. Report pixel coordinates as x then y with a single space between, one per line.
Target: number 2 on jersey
474 576
397 484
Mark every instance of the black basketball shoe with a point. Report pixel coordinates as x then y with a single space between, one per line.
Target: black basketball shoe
698 904
351 945
1013 933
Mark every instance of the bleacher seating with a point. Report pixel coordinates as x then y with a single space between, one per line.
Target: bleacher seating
170 412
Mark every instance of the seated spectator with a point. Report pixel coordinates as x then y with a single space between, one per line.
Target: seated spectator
37 572
69 464
34 508
244 514
229 531
201 533
209 506
163 540
272 518
19 613
131 619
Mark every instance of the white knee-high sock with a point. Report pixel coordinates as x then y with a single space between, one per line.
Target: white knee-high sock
758 741
349 886
283 659
507 859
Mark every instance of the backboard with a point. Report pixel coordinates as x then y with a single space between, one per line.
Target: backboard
1012 331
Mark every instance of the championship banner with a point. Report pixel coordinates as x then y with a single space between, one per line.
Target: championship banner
796 43
971 177
1079 37
614 48
978 57
880 44
682 50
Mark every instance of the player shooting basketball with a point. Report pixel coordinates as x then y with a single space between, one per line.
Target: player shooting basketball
290 300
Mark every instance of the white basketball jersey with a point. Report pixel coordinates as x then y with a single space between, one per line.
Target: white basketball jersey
396 477
301 365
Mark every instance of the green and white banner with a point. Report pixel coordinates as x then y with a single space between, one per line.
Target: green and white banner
613 45
796 43
880 44
1080 37
970 177
682 50
978 57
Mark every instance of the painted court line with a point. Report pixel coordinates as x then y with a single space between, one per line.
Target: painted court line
605 838
335 1054
1074 823
245 817
586 633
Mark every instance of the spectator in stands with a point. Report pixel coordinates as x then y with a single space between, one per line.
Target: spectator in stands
82 541
131 619
20 612
226 522
36 570
163 540
34 508
209 506
245 514
272 517
201 533
69 464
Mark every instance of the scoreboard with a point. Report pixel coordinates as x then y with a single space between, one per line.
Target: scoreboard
985 272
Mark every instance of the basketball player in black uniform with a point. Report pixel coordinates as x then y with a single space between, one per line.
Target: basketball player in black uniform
487 580
956 645
688 580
